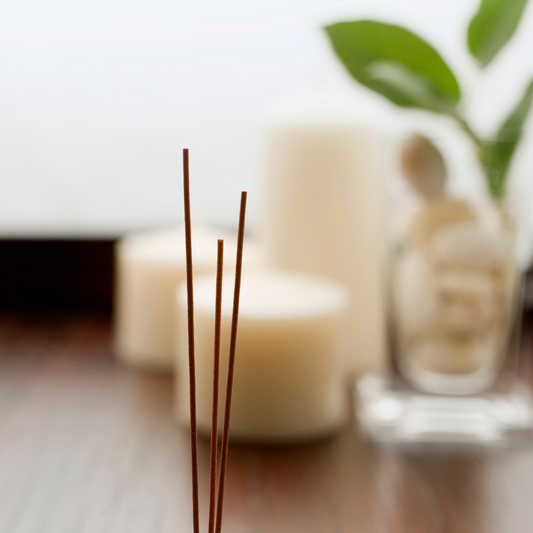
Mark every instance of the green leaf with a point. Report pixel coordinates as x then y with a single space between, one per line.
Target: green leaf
492 26
405 88
500 153
395 63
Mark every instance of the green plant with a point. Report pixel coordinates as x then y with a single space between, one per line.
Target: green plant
409 72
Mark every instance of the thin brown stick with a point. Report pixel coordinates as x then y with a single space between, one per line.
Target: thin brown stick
190 327
216 373
231 367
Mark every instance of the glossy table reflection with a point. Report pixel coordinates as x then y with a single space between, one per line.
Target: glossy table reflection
89 447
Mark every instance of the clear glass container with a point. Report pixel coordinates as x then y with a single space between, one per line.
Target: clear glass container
454 318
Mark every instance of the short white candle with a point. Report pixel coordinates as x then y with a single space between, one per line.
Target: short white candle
322 216
289 381
150 265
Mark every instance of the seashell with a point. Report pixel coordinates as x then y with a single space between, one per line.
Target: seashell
469 245
436 215
468 317
423 166
415 297
441 353
467 282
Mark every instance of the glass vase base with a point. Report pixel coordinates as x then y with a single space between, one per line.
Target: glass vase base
409 417
440 383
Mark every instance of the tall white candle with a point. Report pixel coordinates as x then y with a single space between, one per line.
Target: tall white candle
150 265
323 214
289 379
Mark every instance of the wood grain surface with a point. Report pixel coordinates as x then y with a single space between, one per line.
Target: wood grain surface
87 446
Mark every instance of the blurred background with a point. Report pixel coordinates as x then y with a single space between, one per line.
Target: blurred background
98 98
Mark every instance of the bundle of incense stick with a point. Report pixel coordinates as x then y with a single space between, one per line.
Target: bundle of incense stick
216 502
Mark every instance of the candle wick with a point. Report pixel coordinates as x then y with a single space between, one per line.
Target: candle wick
190 329
231 366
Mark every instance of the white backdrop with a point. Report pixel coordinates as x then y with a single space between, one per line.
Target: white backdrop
98 97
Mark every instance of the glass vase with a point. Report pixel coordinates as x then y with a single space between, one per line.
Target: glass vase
454 318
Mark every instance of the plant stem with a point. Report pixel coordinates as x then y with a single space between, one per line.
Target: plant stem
496 188
480 145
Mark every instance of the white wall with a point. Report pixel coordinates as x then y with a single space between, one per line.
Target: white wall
97 98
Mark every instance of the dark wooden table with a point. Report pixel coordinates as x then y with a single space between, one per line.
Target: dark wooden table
89 447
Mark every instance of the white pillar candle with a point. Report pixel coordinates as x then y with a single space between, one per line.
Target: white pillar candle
323 214
289 382
150 265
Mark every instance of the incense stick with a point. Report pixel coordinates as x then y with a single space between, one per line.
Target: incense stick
231 367
216 372
190 327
